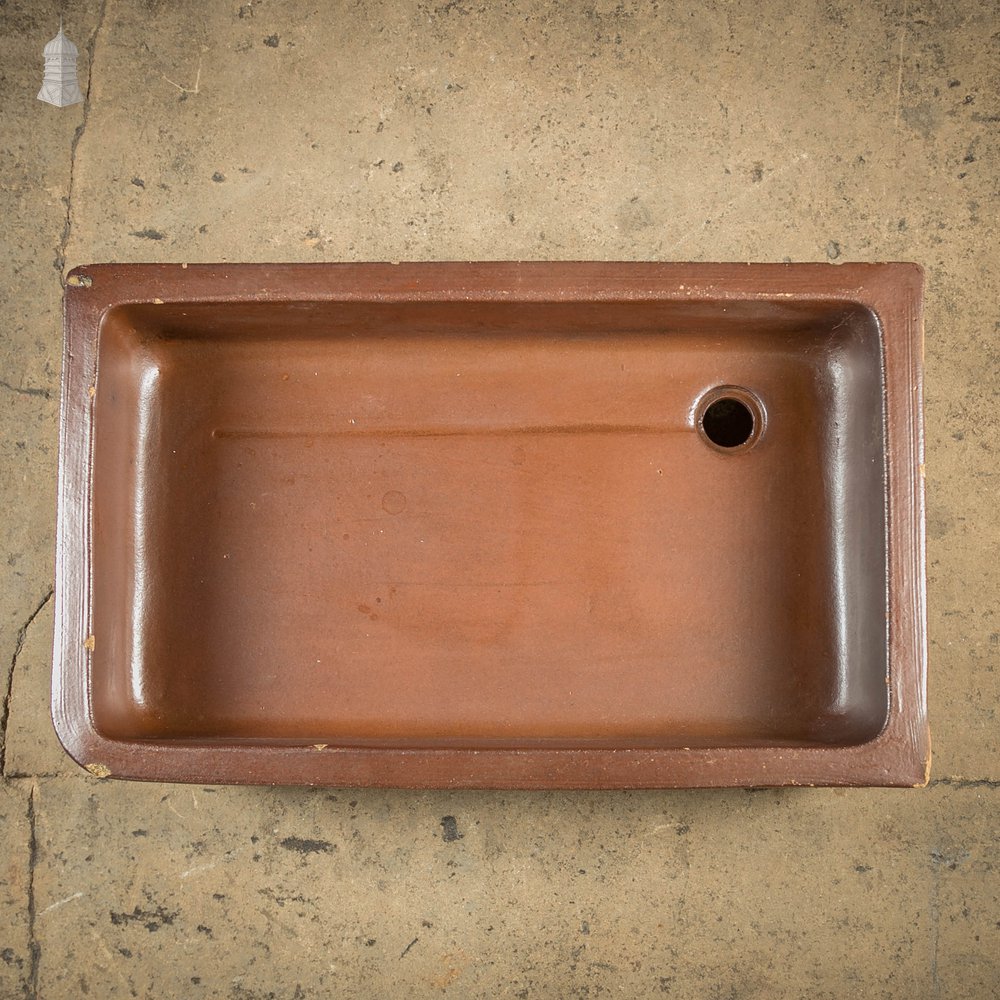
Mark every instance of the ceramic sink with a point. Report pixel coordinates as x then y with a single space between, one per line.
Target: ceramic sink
493 525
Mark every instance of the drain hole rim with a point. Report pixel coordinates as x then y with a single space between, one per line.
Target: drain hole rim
748 400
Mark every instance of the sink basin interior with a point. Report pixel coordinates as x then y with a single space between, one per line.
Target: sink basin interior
454 524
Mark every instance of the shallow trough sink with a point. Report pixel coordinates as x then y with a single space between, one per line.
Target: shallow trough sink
493 525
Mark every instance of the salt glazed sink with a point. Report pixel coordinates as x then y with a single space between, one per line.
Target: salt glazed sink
506 525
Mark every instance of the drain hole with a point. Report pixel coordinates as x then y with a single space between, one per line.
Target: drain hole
728 422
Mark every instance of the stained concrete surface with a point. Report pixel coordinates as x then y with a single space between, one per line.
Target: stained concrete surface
270 130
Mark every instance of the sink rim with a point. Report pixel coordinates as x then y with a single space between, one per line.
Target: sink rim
898 755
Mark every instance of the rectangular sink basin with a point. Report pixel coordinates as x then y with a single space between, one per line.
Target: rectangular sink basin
546 525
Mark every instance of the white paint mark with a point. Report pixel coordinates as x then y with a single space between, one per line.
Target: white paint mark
187 90
62 902
170 806
197 869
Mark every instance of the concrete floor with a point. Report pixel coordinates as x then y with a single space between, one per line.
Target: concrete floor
284 131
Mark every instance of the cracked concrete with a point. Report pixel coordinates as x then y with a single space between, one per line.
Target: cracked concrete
30 750
34 948
60 259
19 640
25 390
271 130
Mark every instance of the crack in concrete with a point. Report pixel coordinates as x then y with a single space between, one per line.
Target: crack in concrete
34 947
21 391
60 259
958 782
934 907
22 634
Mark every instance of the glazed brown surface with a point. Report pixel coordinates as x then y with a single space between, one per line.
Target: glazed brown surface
466 514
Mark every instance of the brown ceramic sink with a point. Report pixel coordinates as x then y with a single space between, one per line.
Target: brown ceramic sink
500 525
